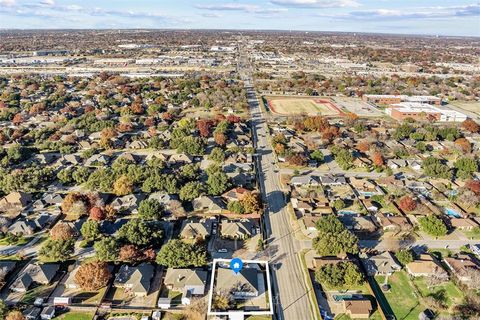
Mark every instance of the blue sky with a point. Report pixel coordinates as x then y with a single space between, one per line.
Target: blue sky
442 17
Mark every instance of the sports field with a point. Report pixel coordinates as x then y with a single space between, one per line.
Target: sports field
310 106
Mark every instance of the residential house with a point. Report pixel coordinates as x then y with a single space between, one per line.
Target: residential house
241 285
129 202
331 180
426 266
97 160
186 280
138 144
135 280
380 264
463 266
358 223
179 158
208 204
15 199
393 223
237 229
465 224
196 229
235 194
305 181
358 309
34 273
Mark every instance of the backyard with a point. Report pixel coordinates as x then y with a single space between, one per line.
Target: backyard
401 296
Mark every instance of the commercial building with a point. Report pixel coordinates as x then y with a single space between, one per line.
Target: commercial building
393 99
421 111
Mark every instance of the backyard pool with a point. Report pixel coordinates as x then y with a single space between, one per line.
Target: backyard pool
347 212
452 213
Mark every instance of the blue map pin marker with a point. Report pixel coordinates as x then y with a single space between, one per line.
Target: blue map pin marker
236 265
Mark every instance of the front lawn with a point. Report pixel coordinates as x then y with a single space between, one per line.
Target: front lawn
75 316
401 296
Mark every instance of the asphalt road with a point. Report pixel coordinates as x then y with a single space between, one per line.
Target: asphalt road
290 297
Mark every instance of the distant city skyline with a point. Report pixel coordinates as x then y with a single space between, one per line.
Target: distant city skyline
429 17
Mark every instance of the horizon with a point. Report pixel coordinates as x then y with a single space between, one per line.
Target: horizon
434 18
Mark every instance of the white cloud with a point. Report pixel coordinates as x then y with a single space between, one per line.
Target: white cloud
47 2
249 8
412 13
7 3
316 3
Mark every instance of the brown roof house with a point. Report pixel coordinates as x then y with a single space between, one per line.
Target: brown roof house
358 309
465 268
15 200
426 266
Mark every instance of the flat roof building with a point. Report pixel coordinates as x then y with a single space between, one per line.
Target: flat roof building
420 111
393 99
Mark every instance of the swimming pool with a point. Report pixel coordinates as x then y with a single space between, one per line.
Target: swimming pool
347 212
452 213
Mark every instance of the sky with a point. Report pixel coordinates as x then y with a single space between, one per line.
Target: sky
431 17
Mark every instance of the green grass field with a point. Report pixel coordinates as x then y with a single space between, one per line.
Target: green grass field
75 316
448 291
401 297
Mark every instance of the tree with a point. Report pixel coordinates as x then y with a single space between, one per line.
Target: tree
150 209
190 191
217 155
15 315
56 250
339 204
92 276
3 307
90 230
204 127
217 183
333 238
107 249
363 146
404 256
97 214
62 231
434 167
466 167
407 204
140 233
464 145
250 202
123 186
339 275
297 159
220 138
471 126
317 155
433 226
377 159
474 186
236 207
129 253
190 171
179 254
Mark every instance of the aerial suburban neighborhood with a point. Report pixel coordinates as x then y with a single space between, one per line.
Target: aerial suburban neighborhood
188 175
